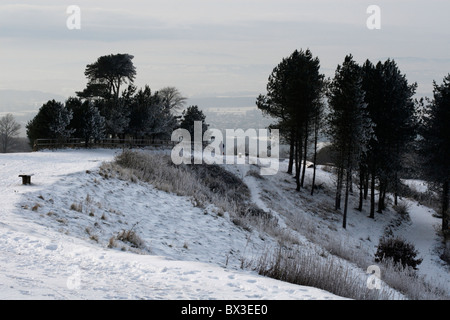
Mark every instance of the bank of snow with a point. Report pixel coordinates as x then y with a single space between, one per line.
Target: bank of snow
58 238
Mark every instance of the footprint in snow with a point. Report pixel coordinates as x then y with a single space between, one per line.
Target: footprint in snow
51 247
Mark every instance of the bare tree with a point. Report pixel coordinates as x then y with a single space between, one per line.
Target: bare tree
172 98
9 129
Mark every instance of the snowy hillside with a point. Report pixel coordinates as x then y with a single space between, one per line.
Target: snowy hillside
50 251
76 234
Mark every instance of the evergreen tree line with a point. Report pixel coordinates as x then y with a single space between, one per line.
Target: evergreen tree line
102 110
369 114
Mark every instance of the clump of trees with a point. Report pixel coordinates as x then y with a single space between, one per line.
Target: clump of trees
434 145
111 106
369 114
349 125
295 98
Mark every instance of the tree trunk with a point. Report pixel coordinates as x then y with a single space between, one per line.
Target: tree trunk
305 153
382 193
372 196
361 187
291 154
340 177
315 160
4 144
347 189
445 204
379 210
396 189
351 184
297 163
366 185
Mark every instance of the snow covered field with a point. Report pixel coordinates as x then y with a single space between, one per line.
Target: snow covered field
50 251
55 235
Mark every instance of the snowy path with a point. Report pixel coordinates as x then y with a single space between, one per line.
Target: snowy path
46 254
422 232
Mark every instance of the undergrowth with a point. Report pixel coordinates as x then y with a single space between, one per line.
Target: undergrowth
319 270
206 184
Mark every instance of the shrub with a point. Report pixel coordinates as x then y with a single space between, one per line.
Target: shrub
254 211
319 270
398 250
204 183
402 208
76 207
255 173
221 181
408 282
131 237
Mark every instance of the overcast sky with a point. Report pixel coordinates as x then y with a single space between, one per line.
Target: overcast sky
215 47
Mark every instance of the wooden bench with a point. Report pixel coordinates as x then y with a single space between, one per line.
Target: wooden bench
26 178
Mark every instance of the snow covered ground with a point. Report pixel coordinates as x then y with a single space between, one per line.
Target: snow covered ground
276 192
55 235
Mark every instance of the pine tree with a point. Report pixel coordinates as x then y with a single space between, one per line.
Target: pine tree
318 117
151 115
275 104
93 123
391 108
75 105
140 113
117 116
107 75
294 91
435 144
59 125
189 116
51 122
350 127
402 124
372 86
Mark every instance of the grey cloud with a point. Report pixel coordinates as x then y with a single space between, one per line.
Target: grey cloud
186 40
